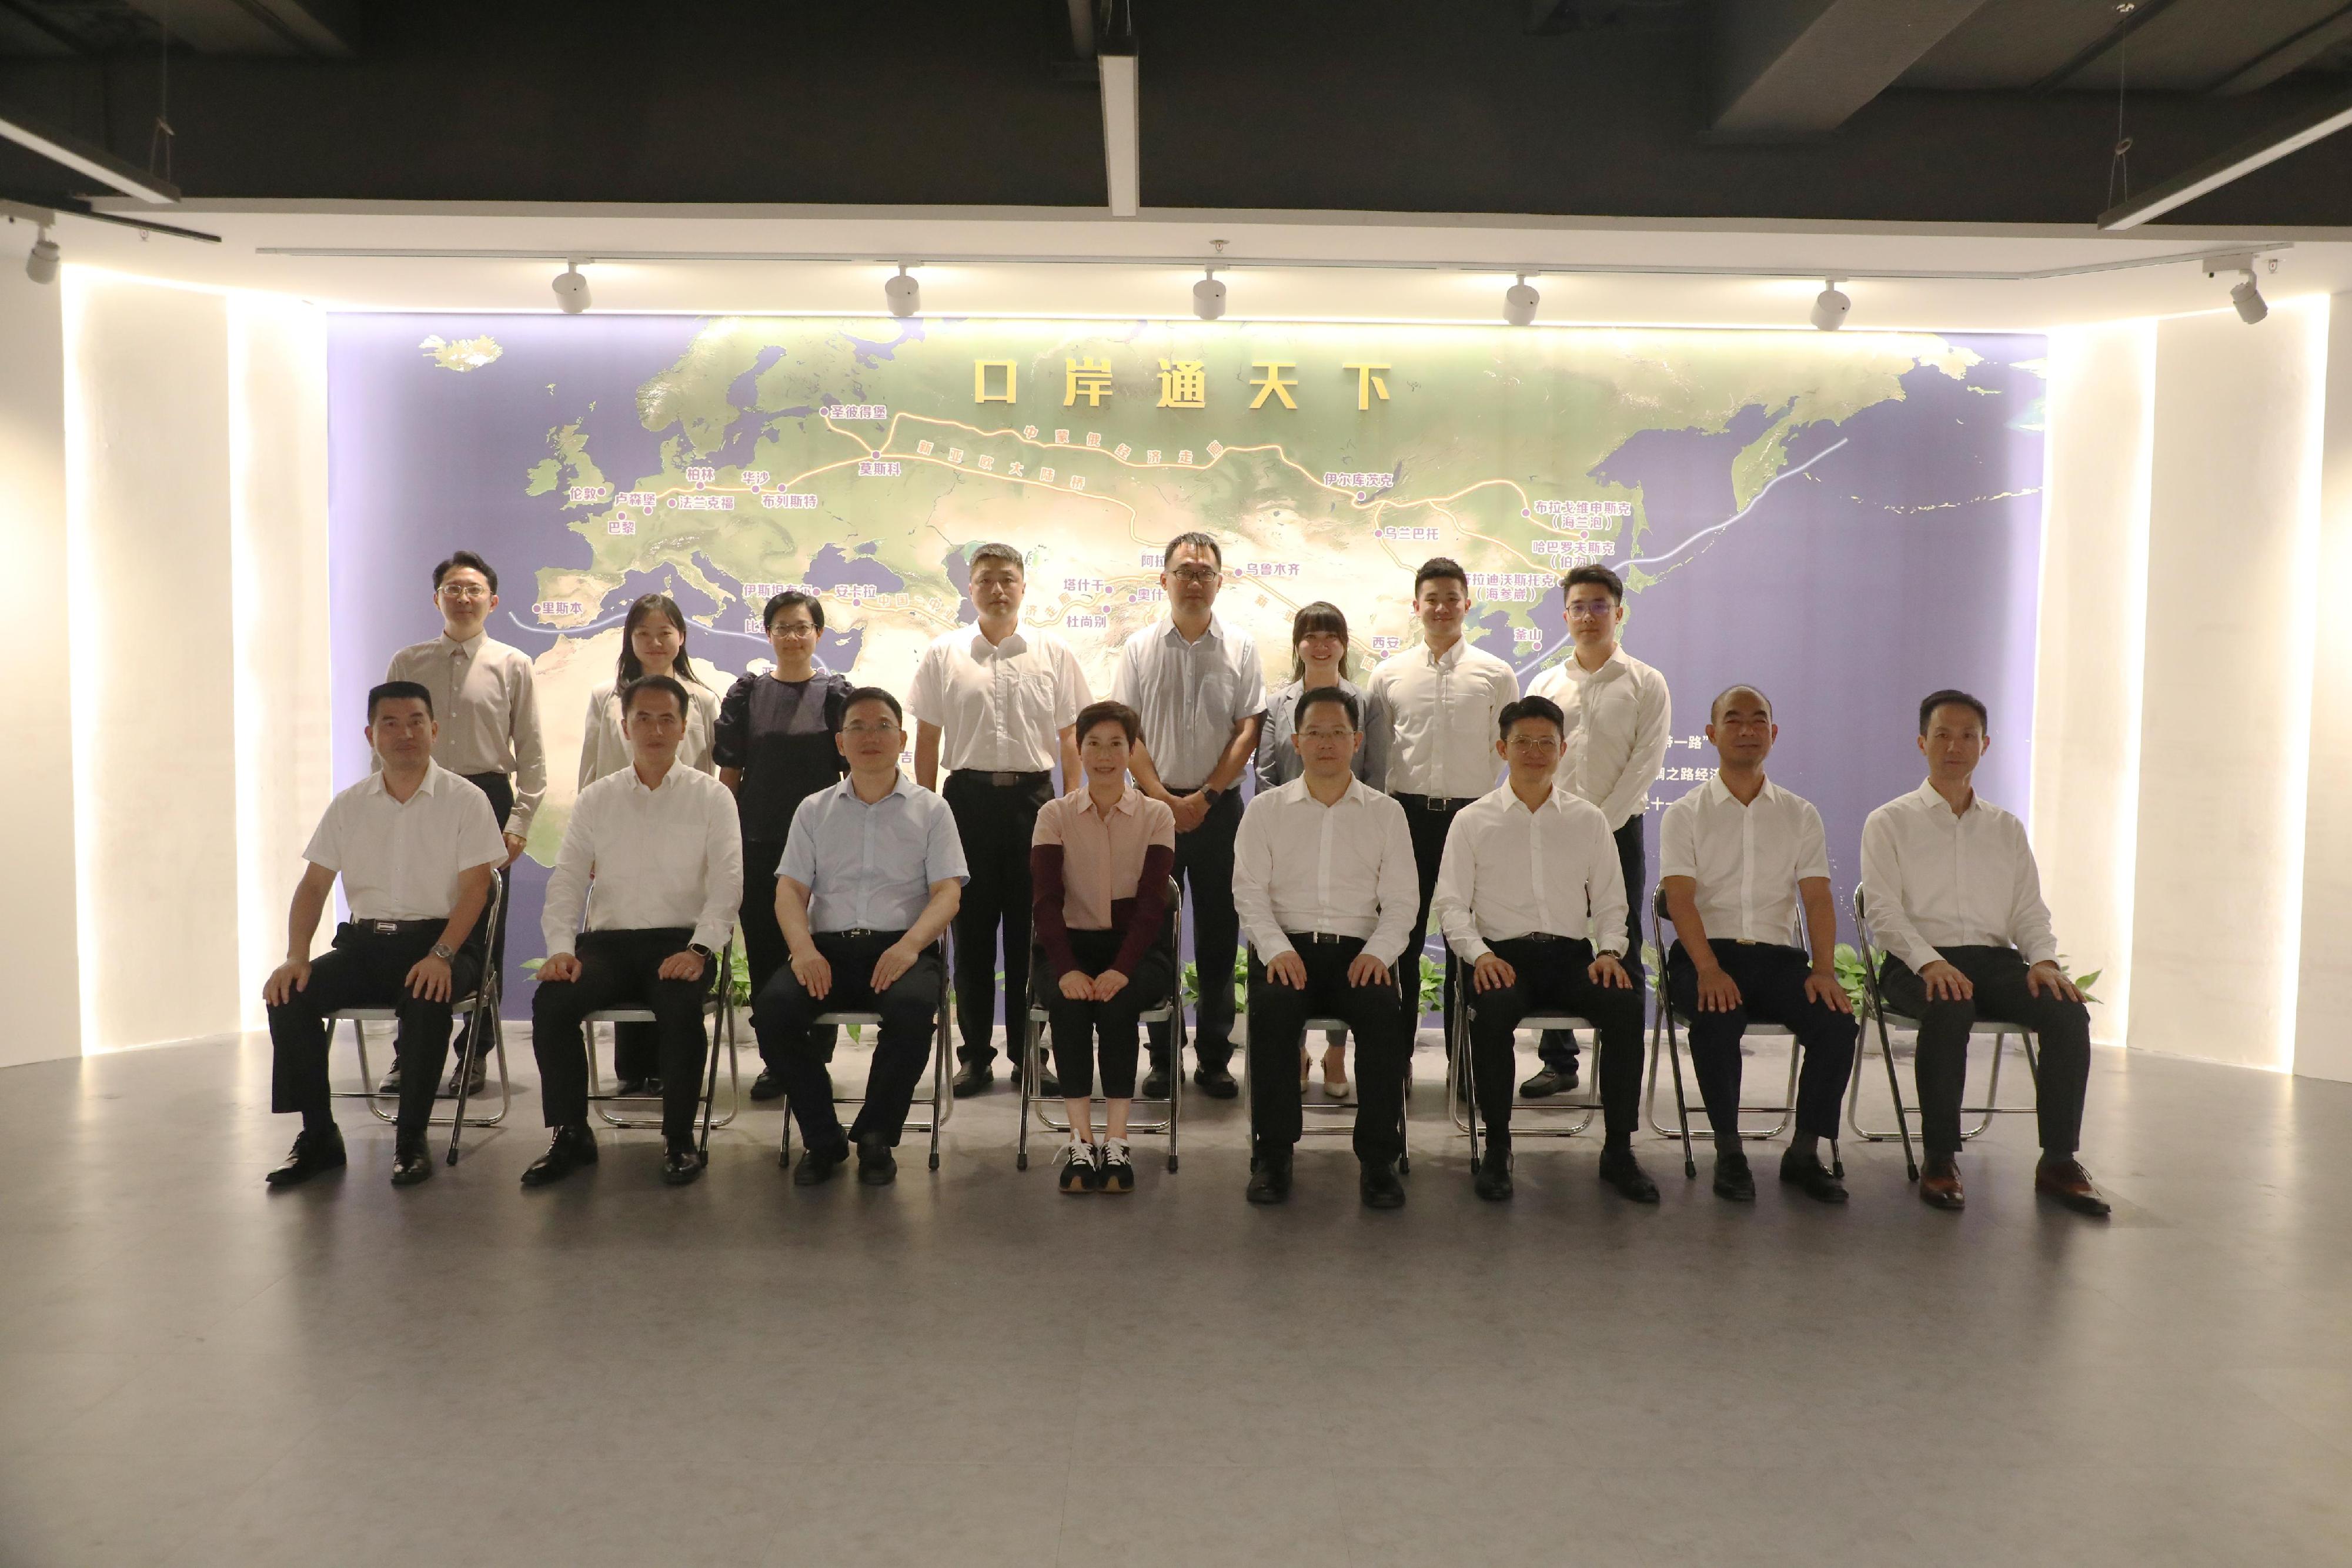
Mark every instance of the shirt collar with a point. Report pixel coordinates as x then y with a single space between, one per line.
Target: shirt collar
1215 633
1929 801
1014 645
1357 789
1130 802
1448 659
1610 667
1508 798
847 788
469 647
434 773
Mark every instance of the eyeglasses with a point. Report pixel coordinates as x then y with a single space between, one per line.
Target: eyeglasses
1590 609
791 629
1327 734
464 591
1534 743
885 729
1194 573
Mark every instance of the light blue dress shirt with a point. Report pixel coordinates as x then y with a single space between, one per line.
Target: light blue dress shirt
870 868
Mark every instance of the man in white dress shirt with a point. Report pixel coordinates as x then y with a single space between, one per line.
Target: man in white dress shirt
1529 896
1619 722
1736 857
1443 699
997 704
1198 683
661 844
416 847
1954 901
488 705
1323 876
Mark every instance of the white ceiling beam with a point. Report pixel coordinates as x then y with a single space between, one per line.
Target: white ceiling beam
1122 138
1792 69
2291 136
82 158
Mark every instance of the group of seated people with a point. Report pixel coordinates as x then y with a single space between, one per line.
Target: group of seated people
1528 894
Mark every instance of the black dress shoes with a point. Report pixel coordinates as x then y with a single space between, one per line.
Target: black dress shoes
972 1078
629 1088
1217 1081
1733 1179
1379 1184
1551 1080
1806 1171
1620 1170
313 1153
1154 1085
877 1166
390 1082
467 1073
681 1164
817 1165
411 1163
570 1148
767 1086
1270 1181
1493 1179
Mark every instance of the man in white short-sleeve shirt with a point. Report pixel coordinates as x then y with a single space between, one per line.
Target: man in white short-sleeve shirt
416 847
996 704
1197 682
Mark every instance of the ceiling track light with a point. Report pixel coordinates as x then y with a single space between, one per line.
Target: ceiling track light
1208 296
2246 298
1519 302
571 287
41 262
1830 305
903 295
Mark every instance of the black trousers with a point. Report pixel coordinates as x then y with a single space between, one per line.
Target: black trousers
995 822
1941 1066
1558 1047
617 969
500 789
765 951
1551 978
910 1009
1375 1015
1771 981
1428 825
1204 866
1083 1029
367 970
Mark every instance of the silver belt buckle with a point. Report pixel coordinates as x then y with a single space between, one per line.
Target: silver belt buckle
384 927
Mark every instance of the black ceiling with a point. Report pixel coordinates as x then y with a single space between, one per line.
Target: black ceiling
1566 107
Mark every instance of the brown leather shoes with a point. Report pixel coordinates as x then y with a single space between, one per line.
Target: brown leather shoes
1939 1184
2070 1184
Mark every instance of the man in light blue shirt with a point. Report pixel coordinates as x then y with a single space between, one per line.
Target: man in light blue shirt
871 876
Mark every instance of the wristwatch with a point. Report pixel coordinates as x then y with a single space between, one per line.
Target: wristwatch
702 952
443 951
1212 792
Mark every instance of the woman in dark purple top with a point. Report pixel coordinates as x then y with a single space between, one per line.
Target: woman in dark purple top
774 746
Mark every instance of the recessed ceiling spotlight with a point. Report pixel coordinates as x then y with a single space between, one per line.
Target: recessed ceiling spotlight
1830 306
1208 297
1519 302
903 294
41 264
572 287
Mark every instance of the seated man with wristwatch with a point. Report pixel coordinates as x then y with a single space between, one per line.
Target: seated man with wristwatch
654 857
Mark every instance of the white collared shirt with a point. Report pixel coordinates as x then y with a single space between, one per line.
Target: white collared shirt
1618 719
1001 707
1508 870
604 739
1932 879
400 860
1441 720
1746 859
1191 695
659 858
487 704
1347 869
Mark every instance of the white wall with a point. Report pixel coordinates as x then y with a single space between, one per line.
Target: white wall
2323 1035
40 984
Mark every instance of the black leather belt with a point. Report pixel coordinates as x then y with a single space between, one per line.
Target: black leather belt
1315 939
859 933
1434 803
1002 781
397 927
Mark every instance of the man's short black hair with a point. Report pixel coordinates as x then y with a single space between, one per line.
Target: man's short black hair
779 602
1095 715
1440 567
465 558
643 683
1197 540
874 694
998 552
398 691
1952 697
1599 576
1338 696
1530 707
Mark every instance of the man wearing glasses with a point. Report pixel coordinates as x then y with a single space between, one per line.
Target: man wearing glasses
489 710
1617 721
1201 691
872 873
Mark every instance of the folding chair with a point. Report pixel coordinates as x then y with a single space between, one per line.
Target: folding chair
1322 1118
1665 1020
939 1105
1033 1048
1461 1098
1998 1033
481 1008
718 1008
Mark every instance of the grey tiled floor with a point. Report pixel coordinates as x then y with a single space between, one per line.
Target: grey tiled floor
967 1369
